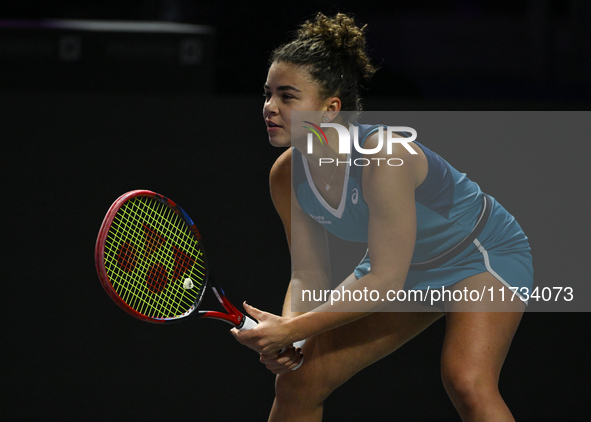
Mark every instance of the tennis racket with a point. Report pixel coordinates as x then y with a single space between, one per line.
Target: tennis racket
150 260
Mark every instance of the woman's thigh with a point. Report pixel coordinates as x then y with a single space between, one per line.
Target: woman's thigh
479 333
332 357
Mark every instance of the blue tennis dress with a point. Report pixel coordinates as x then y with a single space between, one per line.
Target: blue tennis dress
448 205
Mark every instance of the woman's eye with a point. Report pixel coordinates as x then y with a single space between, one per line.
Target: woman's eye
267 95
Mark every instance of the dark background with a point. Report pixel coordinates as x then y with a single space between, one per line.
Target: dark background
78 134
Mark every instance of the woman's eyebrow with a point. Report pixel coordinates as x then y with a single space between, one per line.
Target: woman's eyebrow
284 88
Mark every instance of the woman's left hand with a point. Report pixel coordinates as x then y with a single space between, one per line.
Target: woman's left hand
287 361
269 337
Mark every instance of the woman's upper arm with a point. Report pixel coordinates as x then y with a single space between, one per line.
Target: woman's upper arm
308 244
280 186
389 193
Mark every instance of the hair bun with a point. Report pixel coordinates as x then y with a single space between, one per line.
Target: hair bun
341 35
339 32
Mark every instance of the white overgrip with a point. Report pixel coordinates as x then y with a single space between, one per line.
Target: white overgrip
247 324
299 344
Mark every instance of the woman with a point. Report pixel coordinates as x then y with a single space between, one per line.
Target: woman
321 70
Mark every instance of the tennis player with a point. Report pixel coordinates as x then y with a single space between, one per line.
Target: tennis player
415 213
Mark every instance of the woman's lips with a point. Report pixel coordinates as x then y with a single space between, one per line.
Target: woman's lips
272 127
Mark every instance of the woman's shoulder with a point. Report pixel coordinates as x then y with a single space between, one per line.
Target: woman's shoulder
403 157
280 176
280 185
281 170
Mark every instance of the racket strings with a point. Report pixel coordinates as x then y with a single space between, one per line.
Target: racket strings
157 277
157 274
149 248
129 289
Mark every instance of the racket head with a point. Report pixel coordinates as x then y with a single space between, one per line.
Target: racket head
146 248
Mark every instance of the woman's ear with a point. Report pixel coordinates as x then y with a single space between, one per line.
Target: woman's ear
333 106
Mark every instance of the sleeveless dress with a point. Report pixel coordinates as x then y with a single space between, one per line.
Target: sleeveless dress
448 207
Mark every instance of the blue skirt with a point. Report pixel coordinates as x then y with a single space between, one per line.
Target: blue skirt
501 249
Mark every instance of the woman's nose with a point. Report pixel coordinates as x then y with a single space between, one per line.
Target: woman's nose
270 106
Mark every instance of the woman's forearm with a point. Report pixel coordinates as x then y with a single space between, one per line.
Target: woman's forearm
287 309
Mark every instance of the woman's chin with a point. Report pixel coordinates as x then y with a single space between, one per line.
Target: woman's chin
279 141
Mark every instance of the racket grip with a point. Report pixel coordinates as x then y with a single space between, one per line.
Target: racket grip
296 345
247 324
299 344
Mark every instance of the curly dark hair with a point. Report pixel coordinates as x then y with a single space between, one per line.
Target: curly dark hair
334 52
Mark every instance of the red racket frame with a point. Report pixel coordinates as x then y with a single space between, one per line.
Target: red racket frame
233 315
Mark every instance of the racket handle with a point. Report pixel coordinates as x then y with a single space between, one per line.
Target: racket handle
299 344
247 324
